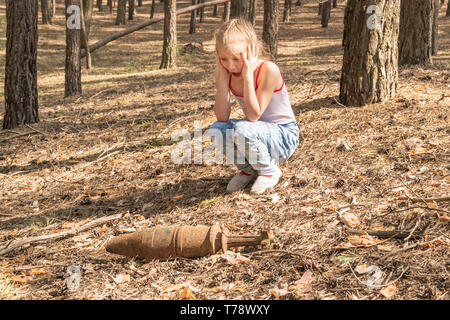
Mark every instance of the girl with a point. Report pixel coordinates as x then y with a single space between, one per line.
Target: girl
269 132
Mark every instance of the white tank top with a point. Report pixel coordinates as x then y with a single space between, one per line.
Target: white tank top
279 109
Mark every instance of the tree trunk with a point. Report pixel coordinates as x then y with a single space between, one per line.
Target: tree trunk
287 10
415 32
100 5
85 38
110 6
21 93
320 8
370 67
169 54
252 11
270 27
215 10
46 12
87 10
326 9
121 8
192 22
139 3
73 49
53 8
448 9
202 11
435 28
238 9
130 9
152 10
226 12
334 3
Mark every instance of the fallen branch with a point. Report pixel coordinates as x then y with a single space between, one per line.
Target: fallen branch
443 199
22 242
144 24
407 248
383 233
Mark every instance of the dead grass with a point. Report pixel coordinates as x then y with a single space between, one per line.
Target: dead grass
103 153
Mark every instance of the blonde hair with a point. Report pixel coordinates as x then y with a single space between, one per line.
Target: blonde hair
235 32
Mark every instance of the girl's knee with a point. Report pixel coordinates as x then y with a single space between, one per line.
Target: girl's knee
244 129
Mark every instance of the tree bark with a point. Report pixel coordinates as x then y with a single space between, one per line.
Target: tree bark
370 67
215 10
85 38
448 9
121 8
21 93
139 3
334 3
152 9
131 9
415 32
202 11
326 8
46 12
73 51
270 27
287 10
435 29
238 9
87 6
226 12
100 5
192 22
252 11
169 54
53 8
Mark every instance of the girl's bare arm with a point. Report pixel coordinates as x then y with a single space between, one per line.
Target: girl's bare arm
222 106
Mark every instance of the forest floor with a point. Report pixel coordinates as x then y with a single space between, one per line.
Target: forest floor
108 152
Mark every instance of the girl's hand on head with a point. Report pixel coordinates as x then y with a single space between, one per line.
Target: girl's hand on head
250 61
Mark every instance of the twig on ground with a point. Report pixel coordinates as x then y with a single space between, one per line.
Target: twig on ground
383 233
280 251
22 242
17 136
443 199
87 164
45 134
390 254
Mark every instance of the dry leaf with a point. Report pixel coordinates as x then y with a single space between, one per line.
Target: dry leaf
389 291
418 151
277 292
398 191
304 284
361 240
176 287
121 278
68 225
38 271
350 219
22 279
186 294
233 258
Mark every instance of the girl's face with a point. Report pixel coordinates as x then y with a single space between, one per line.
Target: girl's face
231 60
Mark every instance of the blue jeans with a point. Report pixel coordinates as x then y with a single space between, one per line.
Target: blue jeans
257 145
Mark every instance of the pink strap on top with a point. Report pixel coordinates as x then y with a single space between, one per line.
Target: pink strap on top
257 75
